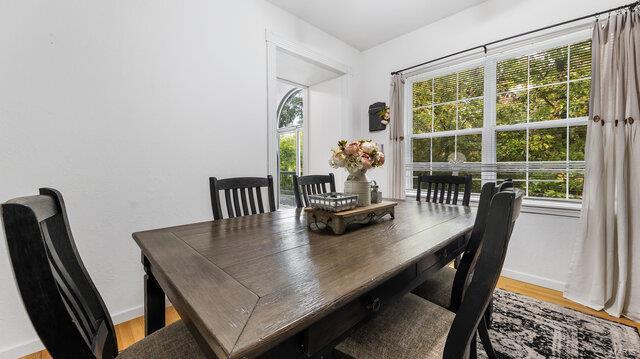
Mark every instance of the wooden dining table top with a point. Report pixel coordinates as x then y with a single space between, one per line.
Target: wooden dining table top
248 283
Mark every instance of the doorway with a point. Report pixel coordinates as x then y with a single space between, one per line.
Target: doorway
309 103
291 120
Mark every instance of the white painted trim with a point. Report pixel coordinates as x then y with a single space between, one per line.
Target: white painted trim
303 51
35 345
534 279
22 349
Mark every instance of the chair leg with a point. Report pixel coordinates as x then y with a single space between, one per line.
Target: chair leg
488 314
473 348
486 340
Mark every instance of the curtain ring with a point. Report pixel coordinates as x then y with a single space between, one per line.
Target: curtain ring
630 120
616 123
602 123
596 118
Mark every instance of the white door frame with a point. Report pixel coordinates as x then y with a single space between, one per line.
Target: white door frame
275 42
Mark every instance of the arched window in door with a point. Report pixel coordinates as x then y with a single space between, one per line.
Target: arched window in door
290 120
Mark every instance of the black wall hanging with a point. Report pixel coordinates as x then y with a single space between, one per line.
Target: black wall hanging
375 120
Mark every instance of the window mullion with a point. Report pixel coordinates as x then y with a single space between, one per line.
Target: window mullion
527 134
489 122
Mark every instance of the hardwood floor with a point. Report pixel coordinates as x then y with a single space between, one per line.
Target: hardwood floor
133 330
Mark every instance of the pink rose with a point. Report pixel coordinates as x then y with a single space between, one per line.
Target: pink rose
367 162
380 157
352 148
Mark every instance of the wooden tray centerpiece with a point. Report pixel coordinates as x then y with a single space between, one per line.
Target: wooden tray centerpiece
338 221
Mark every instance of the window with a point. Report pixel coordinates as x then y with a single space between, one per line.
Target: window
530 125
447 122
290 138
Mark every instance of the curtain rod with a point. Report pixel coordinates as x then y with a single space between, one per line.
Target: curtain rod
484 46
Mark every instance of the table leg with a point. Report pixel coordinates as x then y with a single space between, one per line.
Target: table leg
154 306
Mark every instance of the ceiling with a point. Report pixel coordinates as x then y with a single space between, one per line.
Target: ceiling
366 23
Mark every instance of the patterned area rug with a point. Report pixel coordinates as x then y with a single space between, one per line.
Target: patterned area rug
528 328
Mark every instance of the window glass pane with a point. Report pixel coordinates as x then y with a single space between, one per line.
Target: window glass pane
445 88
471 83
549 66
548 103
290 112
442 148
549 144
422 120
519 178
287 162
547 184
512 74
422 93
511 146
444 118
471 147
576 181
470 113
421 150
580 60
511 108
579 98
577 140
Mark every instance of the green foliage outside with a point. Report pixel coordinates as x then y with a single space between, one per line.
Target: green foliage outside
530 88
287 161
291 111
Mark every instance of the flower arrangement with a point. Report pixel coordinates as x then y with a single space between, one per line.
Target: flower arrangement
356 156
385 115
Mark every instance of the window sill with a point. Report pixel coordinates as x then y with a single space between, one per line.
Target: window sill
536 206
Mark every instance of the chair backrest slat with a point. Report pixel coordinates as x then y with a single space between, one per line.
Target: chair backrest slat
237 203
251 201
62 302
437 185
259 198
503 211
304 186
243 199
227 198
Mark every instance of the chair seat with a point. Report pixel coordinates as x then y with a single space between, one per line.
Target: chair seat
173 341
437 287
410 328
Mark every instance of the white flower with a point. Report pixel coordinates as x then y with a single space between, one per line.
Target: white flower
368 147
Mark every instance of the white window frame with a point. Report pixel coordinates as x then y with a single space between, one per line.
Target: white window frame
567 207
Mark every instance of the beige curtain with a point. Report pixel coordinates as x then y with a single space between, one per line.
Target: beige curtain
396 137
605 269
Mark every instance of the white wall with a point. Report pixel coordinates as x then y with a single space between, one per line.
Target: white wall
541 245
326 126
128 107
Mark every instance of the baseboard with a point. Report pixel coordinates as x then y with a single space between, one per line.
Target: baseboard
21 349
35 345
534 279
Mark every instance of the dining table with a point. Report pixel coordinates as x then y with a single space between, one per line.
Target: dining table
268 285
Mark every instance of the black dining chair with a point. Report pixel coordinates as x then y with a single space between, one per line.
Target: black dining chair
444 189
416 328
303 186
239 195
445 287
61 300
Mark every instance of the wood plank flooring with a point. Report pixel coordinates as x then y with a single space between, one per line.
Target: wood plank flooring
133 330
